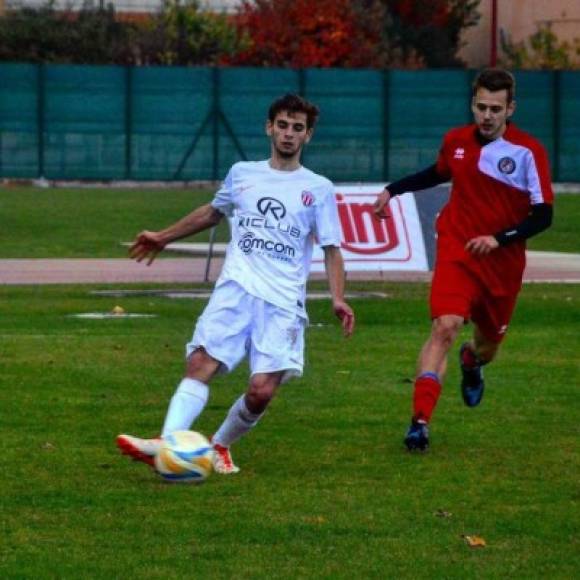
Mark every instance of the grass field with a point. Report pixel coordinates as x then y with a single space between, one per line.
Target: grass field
93 223
326 488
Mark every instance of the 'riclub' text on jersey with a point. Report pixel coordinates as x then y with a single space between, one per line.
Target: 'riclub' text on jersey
274 217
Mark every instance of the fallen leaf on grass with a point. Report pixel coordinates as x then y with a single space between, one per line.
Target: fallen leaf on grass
48 446
474 541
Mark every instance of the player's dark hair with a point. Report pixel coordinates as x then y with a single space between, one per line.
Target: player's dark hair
294 104
495 79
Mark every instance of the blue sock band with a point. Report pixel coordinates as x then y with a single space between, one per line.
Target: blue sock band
433 376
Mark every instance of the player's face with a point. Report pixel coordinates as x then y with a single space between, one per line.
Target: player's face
289 133
491 111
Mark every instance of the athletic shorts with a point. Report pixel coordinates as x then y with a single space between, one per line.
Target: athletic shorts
455 290
235 324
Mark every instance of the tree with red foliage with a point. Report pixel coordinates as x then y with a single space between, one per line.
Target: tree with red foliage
430 29
302 33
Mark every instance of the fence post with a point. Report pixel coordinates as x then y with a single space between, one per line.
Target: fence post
556 122
386 125
40 114
216 92
301 82
128 121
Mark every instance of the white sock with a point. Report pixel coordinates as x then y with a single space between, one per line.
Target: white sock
238 422
186 405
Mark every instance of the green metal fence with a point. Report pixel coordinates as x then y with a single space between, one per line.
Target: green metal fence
114 123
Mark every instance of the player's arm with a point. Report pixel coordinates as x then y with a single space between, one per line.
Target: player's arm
148 244
334 265
540 215
538 220
424 179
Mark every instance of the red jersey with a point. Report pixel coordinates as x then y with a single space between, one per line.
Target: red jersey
493 186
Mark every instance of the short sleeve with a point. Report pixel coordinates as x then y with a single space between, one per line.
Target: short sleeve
327 224
538 176
223 199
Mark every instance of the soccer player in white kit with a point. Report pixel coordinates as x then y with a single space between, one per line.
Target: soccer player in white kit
276 208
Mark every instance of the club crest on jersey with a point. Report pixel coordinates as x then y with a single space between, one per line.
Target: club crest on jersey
459 153
268 206
506 165
307 198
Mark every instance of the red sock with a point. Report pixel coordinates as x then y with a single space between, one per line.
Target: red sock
468 358
425 396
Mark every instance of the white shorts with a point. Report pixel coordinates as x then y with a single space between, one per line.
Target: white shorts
235 324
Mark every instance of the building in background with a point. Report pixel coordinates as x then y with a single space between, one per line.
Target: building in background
519 19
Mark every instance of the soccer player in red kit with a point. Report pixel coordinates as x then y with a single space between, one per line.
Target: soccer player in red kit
501 195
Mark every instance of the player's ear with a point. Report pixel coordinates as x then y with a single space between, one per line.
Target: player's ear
309 133
511 108
269 128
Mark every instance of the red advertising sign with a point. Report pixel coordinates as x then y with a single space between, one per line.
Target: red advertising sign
395 243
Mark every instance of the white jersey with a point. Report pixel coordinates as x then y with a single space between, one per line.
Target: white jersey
274 217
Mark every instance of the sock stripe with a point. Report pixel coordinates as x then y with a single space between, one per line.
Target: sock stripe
429 375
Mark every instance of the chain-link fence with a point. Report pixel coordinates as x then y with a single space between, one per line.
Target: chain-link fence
113 123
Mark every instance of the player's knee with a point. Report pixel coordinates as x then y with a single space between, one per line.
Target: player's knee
201 366
446 328
260 393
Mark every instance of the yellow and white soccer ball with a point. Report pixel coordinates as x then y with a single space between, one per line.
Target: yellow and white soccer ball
185 456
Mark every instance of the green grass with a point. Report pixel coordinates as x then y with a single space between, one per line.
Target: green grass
562 236
326 489
88 223
93 223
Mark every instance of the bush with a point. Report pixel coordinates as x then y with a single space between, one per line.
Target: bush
542 50
89 36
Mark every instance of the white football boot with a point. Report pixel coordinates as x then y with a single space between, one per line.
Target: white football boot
143 450
222 460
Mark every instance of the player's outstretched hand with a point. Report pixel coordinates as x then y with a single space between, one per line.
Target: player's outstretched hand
344 312
481 245
146 245
381 205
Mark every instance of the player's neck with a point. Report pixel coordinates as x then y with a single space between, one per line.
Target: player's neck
282 164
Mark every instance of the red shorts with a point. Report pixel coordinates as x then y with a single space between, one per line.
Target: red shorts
455 290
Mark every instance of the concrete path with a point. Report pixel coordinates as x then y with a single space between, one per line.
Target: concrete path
542 267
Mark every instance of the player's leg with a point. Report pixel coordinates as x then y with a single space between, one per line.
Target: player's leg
430 372
473 355
185 406
243 416
491 317
276 355
192 393
450 302
218 343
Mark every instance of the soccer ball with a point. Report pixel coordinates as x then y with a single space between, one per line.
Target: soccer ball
185 456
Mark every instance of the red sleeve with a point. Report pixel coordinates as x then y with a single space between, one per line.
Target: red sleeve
442 166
